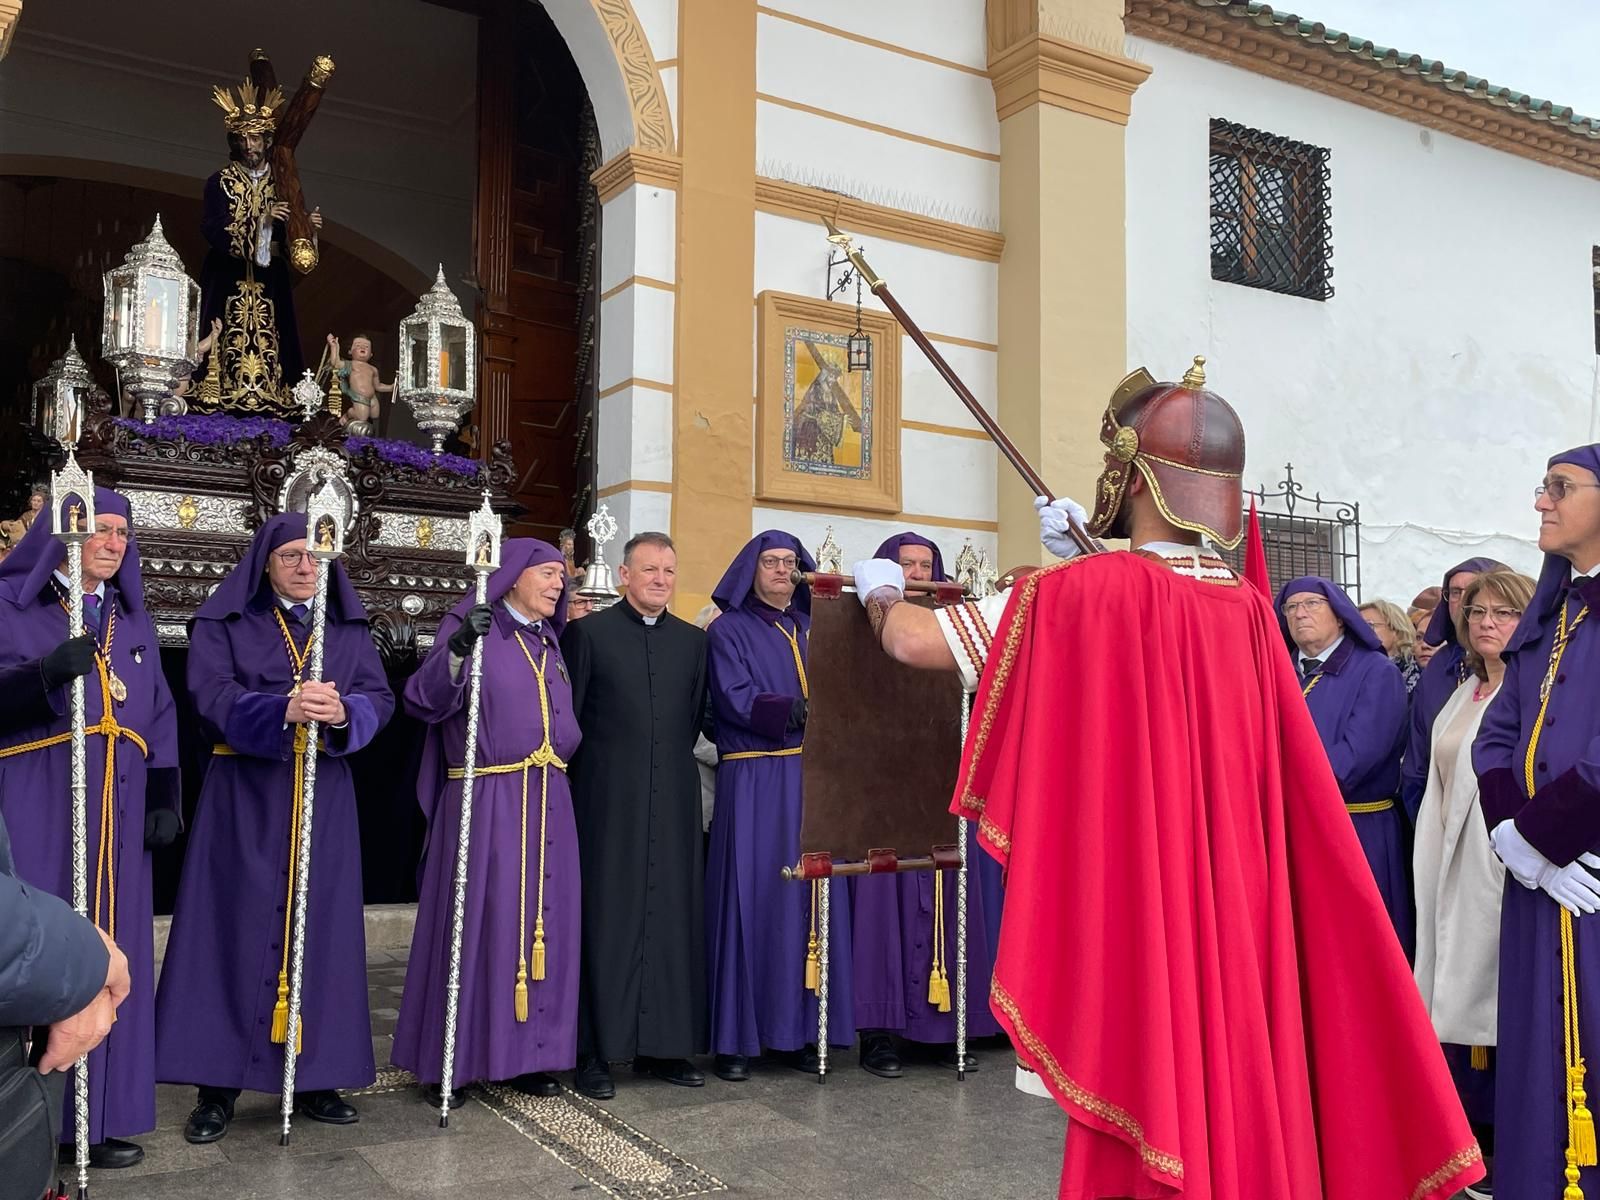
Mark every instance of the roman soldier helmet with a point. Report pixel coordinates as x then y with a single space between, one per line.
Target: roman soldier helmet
1189 446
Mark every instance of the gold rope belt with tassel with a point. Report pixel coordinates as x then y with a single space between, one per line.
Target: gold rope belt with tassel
543 758
105 870
938 976
1580 1121
813 945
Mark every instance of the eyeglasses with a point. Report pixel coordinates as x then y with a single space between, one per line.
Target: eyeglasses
1499 616
291 558
1559 488
771 562
1311 605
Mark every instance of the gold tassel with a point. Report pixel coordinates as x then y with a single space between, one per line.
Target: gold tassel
522 990
538 949
813 964
1480 1058
280 1011
1583 1140
1573 1190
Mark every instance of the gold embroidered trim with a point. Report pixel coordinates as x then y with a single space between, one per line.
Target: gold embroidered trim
958 622
1167 462
1008 659
993 832
1160 1161
1453 1166
981 625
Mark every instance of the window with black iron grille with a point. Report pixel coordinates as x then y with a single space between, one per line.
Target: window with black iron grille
1305 535
1269 212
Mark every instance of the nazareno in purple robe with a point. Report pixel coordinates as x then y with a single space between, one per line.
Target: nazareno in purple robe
758 925
1445 672
35 796
219 981
892 926
490 1042
1562 821
1358 704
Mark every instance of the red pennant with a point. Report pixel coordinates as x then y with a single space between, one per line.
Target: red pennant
1255 555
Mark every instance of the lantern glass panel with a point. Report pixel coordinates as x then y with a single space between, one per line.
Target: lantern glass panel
453 357
120 335
191 326
417 352
161 330
859 352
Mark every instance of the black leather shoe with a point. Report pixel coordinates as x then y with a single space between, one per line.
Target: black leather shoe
679 1071
433 1094
593 1079
110 1155
537 1083
328 1107
207 1123
735 1068
798 1060
878 1056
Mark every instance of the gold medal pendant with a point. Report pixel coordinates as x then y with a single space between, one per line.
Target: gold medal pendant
118 689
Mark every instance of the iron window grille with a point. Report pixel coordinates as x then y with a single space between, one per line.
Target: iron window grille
1269 212
1305 535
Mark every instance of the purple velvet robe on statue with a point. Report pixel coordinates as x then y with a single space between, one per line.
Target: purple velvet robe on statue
35 796
490 1042
219 980
892 926
1358 703
1562 820
1440 678
757 925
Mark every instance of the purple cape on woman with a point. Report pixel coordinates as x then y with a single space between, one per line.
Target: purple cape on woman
757 925
35 794
1444 673
219 981
490 1042
1561 820
1358 703
892 925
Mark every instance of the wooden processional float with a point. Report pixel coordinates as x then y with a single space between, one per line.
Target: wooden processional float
872 718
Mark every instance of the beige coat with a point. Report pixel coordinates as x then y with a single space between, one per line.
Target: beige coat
1459 885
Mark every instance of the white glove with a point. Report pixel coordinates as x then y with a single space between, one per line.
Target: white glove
874 573
1053 524
1527 865
1574 887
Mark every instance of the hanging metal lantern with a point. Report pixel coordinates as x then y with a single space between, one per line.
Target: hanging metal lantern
61 397
438 363
858 348
152 320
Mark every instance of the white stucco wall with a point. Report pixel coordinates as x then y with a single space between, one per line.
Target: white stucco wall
1455 356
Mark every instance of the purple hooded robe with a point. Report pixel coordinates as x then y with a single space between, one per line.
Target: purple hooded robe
1358 704
35 795
490 1042
1444 673
892 925
757 925
219 981
1560 816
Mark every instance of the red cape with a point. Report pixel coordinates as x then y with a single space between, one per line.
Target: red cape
1194 956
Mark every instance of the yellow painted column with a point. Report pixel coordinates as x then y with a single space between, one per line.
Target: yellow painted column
713 439
1063 91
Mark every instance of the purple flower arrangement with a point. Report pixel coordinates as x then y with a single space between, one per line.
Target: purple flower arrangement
404 454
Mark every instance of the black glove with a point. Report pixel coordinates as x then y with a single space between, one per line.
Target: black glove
798 711
74 657
160 828
473 627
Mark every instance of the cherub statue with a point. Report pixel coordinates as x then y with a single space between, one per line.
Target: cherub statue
359 384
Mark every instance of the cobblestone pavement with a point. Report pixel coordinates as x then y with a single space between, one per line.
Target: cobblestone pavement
923 1136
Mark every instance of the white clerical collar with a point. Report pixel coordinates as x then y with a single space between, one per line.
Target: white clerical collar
648 620
98 590
1576 574
1327 653
525 622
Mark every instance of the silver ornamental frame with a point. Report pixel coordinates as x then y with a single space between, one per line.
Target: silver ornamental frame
309 396
148 374
483 558
597 586
326 504
67 376
73 482
438 409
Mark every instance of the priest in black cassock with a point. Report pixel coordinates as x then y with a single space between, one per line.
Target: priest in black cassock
638 684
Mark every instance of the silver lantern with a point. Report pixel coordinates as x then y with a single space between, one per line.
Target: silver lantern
438 376
152 320
61 397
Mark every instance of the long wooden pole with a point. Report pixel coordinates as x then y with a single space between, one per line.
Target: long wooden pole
1023 467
